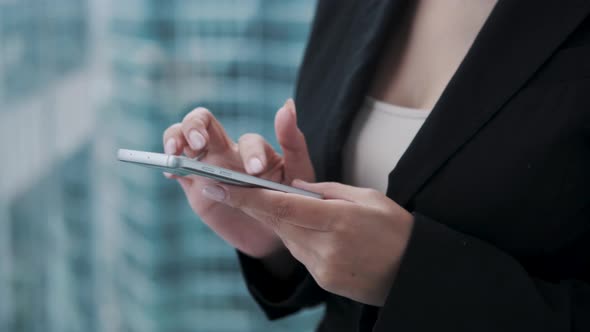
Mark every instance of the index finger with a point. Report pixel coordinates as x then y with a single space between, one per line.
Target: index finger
203 131
275 207
173 140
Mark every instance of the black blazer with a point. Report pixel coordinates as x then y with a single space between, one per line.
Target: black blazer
498 177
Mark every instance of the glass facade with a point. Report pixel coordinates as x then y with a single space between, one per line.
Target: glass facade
87 243
41 40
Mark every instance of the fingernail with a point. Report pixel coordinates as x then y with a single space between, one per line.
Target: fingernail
215 193
196 139
167 175
170 147
255 165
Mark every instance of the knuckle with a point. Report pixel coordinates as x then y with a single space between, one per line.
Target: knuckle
193 123
235 200
337 221
199 113
203 111
250 138
372 193
334 223
290 245
171 131
333 185
239 202
296 251
326 277
330 254
282 210
199 123
273 222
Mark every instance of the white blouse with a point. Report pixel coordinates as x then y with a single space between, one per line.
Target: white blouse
380 135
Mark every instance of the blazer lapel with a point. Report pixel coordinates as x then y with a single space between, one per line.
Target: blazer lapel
518 37
344 76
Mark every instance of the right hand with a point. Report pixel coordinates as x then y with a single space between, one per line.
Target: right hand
200 133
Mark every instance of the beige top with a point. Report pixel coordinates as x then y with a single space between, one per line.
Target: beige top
424 51
382 132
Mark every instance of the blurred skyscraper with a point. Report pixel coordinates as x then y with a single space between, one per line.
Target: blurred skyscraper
238 58
41 41
87 244
43 44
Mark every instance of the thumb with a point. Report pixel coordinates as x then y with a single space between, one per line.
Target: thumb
292 141
334 190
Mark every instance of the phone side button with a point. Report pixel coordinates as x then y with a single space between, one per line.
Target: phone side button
224 173
208 169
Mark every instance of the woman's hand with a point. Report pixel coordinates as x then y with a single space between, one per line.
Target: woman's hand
201 134
351 242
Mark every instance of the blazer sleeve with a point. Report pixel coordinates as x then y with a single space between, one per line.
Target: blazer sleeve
450 281
279 298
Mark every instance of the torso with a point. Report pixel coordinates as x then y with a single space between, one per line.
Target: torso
365 163
423 54
426 49
524 169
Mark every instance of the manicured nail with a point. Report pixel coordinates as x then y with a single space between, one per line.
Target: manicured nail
196 139
170 146
255 165
167 175
215 193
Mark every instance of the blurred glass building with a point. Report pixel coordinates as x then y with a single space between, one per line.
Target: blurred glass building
87 244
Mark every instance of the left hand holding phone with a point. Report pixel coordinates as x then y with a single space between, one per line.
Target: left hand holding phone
351 242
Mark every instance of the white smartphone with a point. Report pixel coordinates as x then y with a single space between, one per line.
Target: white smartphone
183 166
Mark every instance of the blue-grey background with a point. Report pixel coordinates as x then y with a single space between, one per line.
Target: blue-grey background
86 243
